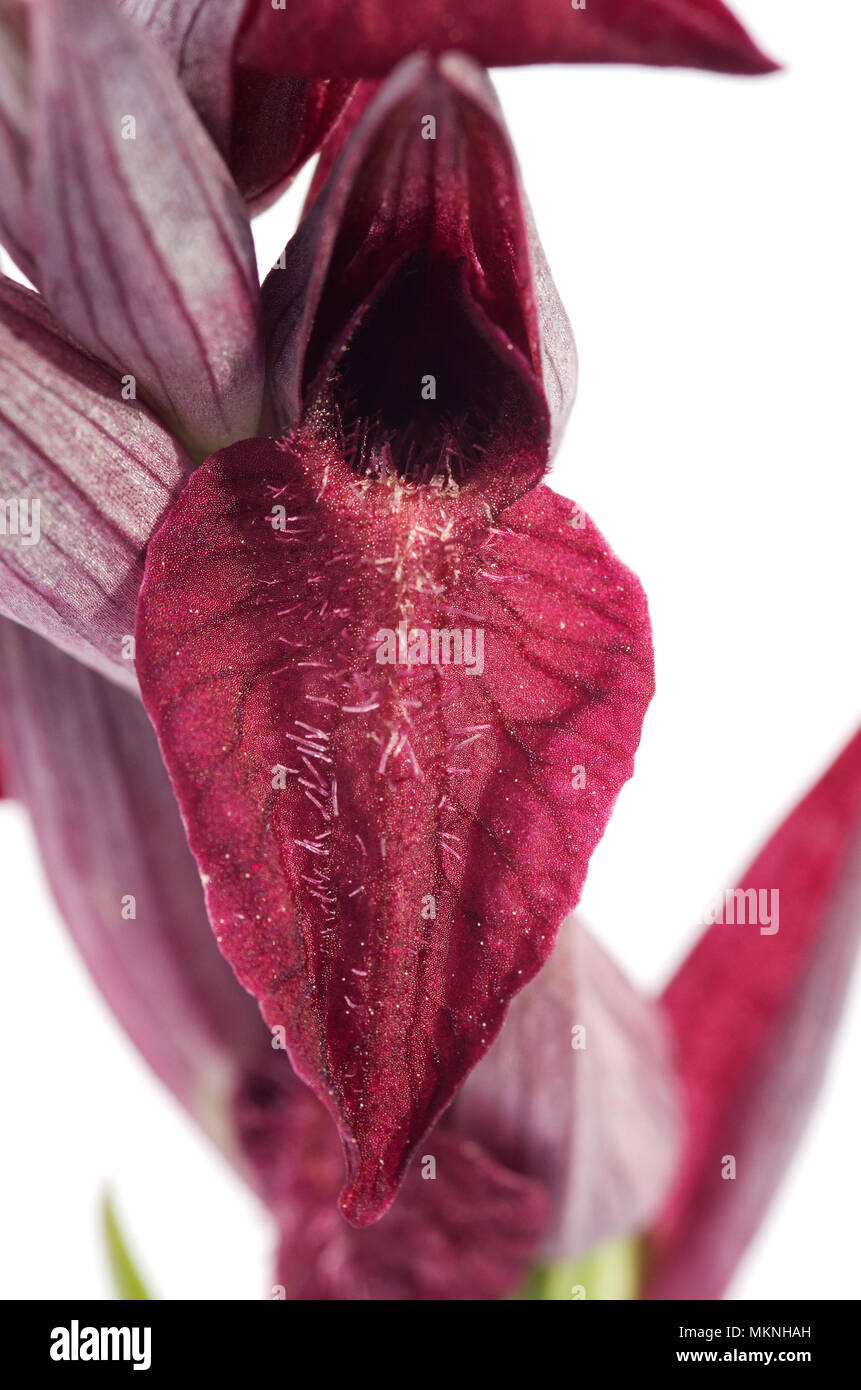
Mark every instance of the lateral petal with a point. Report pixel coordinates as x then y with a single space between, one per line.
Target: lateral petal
14 220
201 40
142 244
85 478
754 1009
80 754
265 125
278 124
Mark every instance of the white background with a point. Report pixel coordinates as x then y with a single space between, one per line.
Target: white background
704 234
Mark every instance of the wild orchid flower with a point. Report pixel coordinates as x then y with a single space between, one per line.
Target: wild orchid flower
376 652
397 683
598 1115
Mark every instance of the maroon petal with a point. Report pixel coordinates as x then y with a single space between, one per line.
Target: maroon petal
405 788
89 475
278 124
365 38
578 1092
266 126
419 257
754 1009
142 243
14 228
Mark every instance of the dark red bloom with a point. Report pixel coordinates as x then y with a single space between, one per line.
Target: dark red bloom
365 38
390 839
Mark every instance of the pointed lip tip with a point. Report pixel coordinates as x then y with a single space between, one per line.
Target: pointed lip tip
368 1190
761 64
459 70
363 1203
752 60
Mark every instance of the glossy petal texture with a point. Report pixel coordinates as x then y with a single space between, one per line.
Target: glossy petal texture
258 661
108 827
14 229
90 476
142 243
419 257
578 1092
265 126
365 38
753 1016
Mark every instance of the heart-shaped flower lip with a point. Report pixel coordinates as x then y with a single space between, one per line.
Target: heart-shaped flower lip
389 834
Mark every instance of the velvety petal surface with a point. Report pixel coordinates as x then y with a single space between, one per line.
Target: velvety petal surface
333 801
578 1092
753 1016
266 126
84 760
418 256
85 477
365 38
141 240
